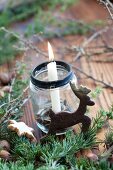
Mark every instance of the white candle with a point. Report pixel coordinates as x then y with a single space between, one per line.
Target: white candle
52 76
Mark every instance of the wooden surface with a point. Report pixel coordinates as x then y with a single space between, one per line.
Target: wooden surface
29 119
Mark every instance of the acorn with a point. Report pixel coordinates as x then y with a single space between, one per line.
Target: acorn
6 78
89 154
4 155
4 145
95 150
92 156
7 89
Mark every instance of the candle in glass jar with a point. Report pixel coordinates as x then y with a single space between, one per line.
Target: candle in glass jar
53 76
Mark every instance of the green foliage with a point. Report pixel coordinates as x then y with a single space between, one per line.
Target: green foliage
58 150
52 153
84 164
51 26
24 151
81 164
15 166
14 106
98 22
101 118
41 22
99 121
53 166
2 101
27 9
109 138
10 15
108 114
63 4
94 94
29 166
7 47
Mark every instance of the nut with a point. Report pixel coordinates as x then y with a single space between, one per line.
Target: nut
7 89
5 78
4 145
4 155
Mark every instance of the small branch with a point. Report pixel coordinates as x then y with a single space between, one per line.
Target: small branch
106 154
26 42
18 102
9 112
93 78
86 42
91 51
12 83
109 7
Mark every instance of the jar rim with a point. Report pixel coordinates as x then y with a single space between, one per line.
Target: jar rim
52 84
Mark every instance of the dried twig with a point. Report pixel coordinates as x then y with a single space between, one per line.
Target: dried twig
18 102
12 83
91 51
10 112
86 42
109 7
107 153
93 78
25 42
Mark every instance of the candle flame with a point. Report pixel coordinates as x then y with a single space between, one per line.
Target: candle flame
50 52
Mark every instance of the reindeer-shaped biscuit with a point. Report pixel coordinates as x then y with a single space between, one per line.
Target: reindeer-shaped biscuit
66 119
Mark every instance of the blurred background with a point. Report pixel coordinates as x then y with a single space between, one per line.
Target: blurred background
45 19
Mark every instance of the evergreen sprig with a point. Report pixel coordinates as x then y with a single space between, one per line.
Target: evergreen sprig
11 104
51 26
7 49
52 153
24 151
72 143
84 164
96 92
14 13
109 138
81 164
98 122
15 166
108 114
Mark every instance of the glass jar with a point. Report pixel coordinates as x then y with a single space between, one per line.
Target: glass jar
41 89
